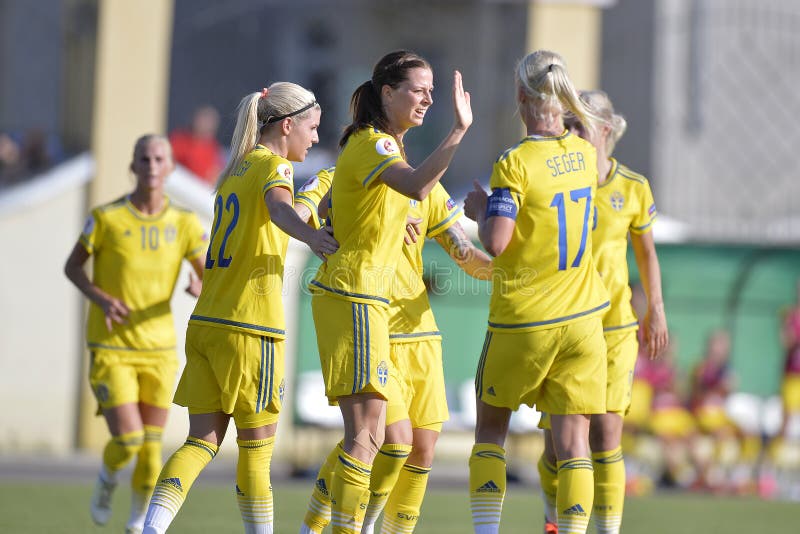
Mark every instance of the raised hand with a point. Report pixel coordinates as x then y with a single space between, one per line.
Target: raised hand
461 103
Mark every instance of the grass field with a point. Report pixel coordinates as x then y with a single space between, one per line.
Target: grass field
62 507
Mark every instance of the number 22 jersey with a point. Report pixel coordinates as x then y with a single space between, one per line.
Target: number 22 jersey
243 276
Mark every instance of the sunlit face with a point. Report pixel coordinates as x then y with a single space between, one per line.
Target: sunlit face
406 104
152 163
303 135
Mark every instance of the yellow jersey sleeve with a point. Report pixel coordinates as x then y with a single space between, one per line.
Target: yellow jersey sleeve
196 237
647 213
443 212
379 157
92 235
314 190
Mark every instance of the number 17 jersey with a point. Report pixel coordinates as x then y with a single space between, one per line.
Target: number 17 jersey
546 276
243 276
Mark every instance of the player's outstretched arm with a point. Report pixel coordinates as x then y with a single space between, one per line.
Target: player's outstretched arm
282 213
471 259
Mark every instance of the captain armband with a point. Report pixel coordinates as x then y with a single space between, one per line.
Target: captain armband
501 204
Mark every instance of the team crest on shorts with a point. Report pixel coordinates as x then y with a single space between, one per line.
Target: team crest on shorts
383 373
101 392
617 200
282 389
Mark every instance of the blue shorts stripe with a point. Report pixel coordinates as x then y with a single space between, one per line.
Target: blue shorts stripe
260 378
481 363
355 347
366 343
271 349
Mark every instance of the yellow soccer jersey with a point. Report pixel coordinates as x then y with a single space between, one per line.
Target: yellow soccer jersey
624 203
243 278
368 220
137 259
546 275
411 318
312 192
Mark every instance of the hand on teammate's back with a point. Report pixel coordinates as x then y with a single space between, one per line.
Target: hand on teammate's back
322 243
412 230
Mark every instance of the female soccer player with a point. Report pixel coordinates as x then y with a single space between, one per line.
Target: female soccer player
138 243
234 343
400 472
624 206
353 288
544 343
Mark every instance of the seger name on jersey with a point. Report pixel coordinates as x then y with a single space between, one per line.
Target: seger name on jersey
564 163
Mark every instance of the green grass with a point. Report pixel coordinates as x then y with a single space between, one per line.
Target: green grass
27 507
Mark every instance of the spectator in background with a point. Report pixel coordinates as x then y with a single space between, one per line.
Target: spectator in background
790 386
10 159
712 381
35 153
197 148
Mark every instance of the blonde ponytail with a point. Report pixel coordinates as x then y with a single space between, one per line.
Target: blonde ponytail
542 76
261 110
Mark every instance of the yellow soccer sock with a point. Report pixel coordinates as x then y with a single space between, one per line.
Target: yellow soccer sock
548 480
487 486
118 452
174 482
318 514
385 470
349 494
405 501
609 490
575 495
145 473
253 487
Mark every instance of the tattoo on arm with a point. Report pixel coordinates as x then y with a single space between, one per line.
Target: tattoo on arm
455 241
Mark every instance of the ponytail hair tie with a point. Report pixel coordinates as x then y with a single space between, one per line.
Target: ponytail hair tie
264 93
550 67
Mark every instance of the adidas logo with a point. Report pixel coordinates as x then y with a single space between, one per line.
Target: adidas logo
239 492
489 487
576 509
490 391
174 482
323 489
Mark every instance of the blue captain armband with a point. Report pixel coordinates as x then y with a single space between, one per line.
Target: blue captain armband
501 204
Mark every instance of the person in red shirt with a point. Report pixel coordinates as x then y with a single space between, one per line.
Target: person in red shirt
197 148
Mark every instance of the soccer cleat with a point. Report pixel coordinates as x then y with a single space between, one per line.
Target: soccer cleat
550 528
100 506
133 530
